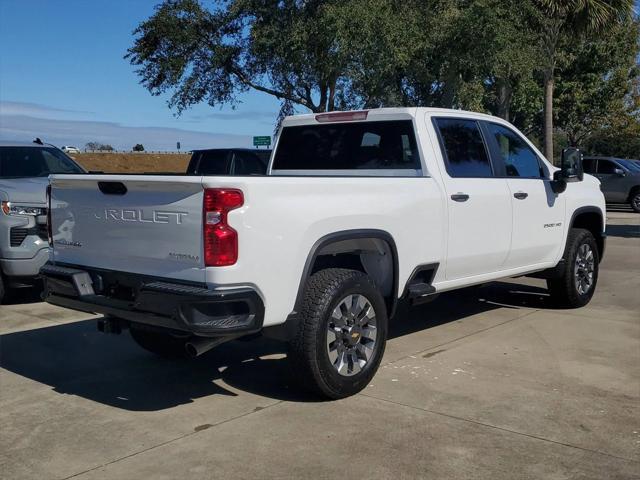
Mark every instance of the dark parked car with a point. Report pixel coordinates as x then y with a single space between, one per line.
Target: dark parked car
229 161
620 179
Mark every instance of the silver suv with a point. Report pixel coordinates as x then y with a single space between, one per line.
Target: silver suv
24 172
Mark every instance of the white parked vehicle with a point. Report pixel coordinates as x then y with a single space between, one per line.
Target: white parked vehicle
69 149
359 211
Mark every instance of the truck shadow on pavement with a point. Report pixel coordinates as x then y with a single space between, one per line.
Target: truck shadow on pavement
25 295
75 359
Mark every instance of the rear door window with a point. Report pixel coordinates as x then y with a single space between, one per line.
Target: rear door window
247 163
464 149
384 145
213 162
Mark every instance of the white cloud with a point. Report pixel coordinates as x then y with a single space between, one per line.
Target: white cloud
35 109
24 121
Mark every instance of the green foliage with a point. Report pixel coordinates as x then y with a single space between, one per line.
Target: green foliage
594 86
494 56
316 54
98 146
138 147
569 20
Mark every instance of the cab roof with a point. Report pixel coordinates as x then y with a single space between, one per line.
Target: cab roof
392 113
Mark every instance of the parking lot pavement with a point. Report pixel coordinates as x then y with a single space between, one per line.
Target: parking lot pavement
487 382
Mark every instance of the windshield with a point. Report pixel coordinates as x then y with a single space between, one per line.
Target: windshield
18 162
630 165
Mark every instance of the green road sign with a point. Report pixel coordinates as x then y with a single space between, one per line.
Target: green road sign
262 141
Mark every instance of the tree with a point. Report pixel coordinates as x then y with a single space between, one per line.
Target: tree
97 146
620 139
568 19
596 87
505 57
138 147
309 54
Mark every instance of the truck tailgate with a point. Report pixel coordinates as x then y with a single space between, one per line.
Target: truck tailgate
149 225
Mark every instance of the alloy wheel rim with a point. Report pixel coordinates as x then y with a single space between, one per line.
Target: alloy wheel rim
584 269
351 335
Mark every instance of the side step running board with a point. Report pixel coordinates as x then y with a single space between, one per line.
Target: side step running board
420 293
417 290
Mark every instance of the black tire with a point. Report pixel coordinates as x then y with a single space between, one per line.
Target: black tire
309 349
3 292
634 200
566 290
159 343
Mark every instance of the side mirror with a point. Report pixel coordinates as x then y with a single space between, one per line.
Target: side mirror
559 184
571 170
619 172
571 165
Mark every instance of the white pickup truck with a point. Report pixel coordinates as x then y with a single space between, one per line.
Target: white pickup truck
358 211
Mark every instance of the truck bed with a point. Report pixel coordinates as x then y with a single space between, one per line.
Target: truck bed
155 227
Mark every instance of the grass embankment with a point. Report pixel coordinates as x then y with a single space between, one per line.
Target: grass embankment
133 162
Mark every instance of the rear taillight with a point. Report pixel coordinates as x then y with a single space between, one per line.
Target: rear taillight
220 240
49 227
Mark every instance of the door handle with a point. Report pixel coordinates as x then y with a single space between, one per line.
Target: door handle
459 197
521 195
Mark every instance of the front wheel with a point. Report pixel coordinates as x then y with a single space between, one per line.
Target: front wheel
635 201
577 282
342 333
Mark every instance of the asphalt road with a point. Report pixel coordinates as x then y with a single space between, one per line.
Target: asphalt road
488 382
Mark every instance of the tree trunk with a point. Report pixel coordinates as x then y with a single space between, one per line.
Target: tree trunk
548 114
450 88
504 98
322 104
331 102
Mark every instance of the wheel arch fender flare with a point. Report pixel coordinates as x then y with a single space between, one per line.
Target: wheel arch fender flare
599 236
340 236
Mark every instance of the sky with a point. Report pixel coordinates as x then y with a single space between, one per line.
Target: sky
63 79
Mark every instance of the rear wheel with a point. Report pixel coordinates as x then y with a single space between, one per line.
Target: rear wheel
577 283
160 343
342 333
635 201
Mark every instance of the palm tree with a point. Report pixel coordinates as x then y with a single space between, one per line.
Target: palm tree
570 17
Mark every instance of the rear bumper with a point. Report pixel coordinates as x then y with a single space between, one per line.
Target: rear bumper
185 307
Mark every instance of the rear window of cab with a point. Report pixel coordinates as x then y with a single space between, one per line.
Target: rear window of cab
373 145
